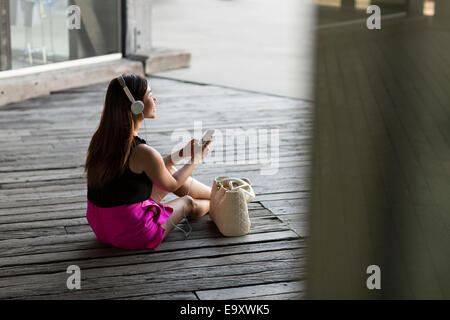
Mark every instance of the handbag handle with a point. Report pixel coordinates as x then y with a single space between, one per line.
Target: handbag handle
242 182
242 185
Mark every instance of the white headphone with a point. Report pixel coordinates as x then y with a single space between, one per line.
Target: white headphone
137 107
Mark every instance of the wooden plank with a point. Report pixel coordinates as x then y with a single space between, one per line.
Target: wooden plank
165 246
116 256
33 233
27 246
280 296
162 268
171 285
254 210
158 282
40 213
42 224
280 207
249 292
297 222
283 195
206 228
164 296
152 273
203 228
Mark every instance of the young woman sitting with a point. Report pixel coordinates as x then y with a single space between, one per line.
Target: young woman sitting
127 178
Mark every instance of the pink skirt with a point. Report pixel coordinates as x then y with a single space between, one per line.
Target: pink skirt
135 226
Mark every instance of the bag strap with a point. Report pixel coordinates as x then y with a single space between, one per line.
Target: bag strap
243 184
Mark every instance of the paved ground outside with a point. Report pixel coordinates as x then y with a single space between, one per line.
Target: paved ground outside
260 45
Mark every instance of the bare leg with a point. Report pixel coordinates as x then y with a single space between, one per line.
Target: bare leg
197 189
185 206
192 206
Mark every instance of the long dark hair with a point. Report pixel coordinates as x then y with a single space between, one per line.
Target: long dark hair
111 143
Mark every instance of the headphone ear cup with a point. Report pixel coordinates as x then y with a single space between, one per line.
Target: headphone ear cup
137 107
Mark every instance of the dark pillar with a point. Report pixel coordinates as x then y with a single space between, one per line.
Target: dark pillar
348 3
380 181
442 8
415 7
5 36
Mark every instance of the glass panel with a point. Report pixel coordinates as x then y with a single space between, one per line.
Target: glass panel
40 33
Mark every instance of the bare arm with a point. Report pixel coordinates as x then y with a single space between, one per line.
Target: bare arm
173 158
156 169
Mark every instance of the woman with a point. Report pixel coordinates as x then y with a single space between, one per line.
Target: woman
127 178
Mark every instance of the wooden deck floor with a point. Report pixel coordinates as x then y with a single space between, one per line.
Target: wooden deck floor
43 229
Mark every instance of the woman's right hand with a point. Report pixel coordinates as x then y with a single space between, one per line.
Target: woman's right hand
198 152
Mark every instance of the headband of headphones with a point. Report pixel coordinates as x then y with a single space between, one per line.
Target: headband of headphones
137 107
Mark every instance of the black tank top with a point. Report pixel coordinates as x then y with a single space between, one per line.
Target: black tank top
129 188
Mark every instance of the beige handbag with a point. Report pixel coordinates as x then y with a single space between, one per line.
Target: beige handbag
228 206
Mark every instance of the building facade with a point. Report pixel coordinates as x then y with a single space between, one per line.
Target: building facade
38 32
50 45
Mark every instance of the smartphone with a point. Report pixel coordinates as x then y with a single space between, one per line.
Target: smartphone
207 136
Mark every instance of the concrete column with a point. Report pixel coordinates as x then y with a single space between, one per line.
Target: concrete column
138 40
